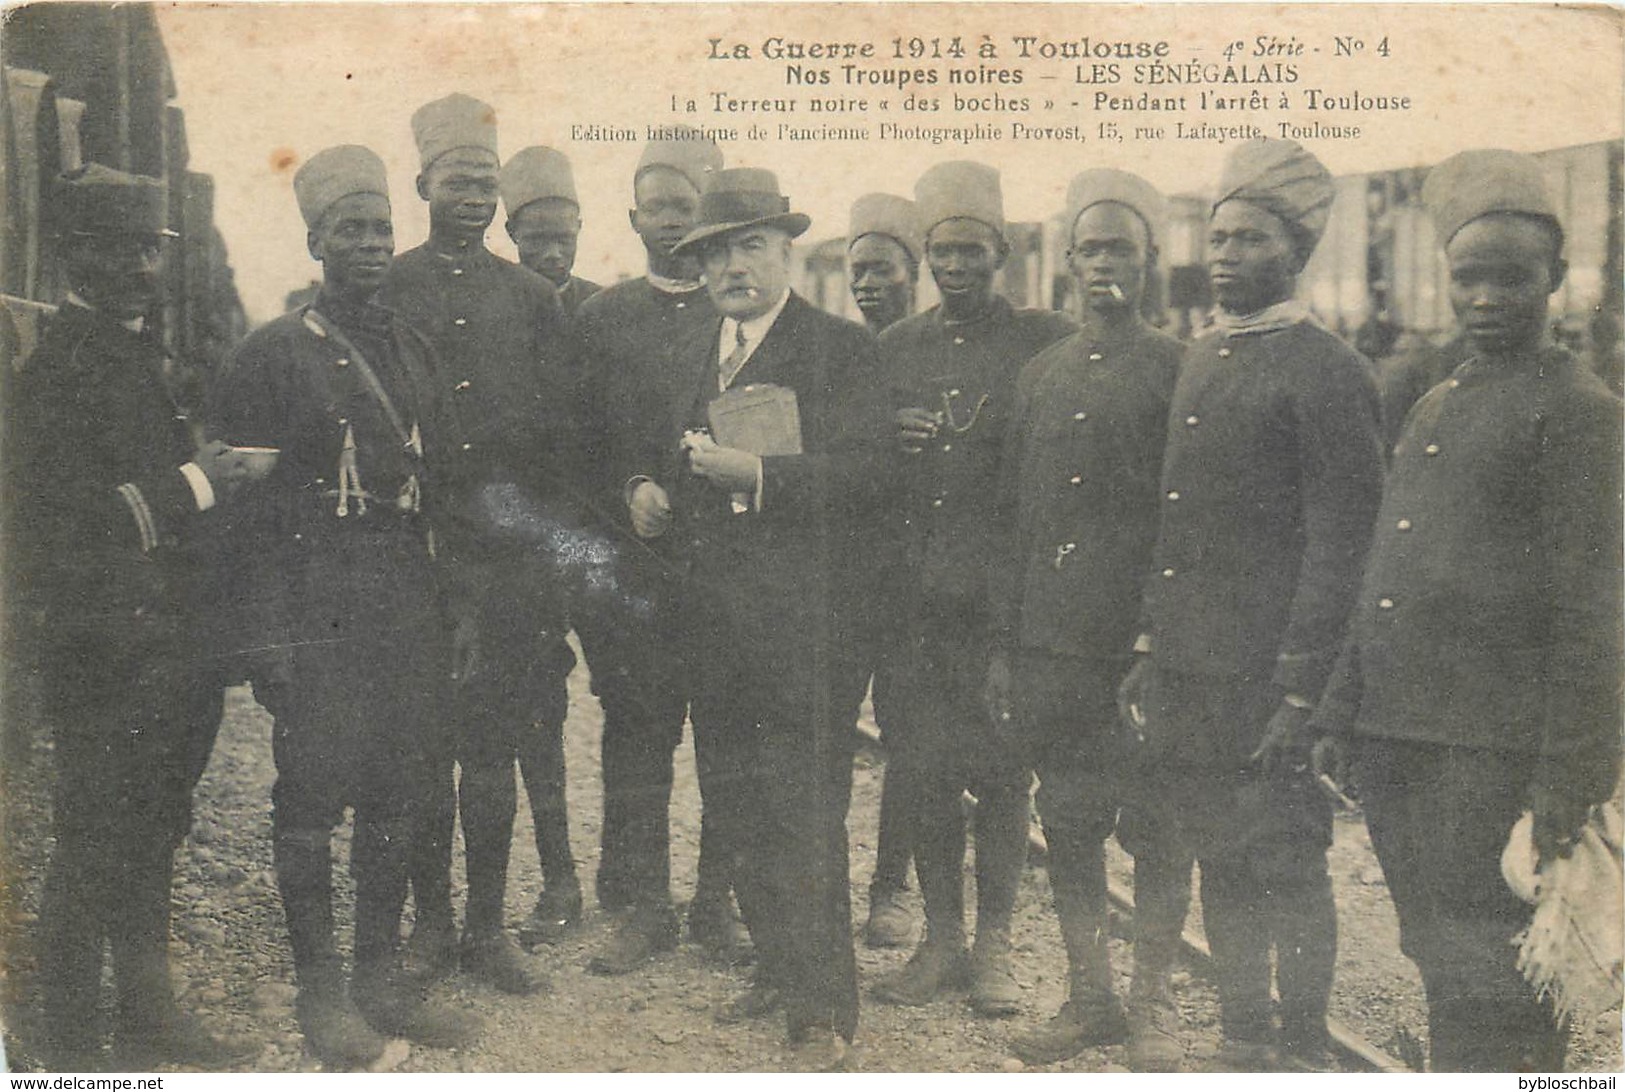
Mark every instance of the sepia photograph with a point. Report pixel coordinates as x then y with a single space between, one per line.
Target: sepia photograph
759 537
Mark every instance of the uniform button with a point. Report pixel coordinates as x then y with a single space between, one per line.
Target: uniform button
937 503
681 305
1173 494
1385 603
1193 420
1454 383
947 447
1076 479
1080 416
954 393
456 272
1224 354
1403 525
1431 449
342 361
959 341
1168 574
459 322
464 385
468 447
1096 356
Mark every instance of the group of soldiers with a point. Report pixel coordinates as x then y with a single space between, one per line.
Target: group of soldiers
1190 586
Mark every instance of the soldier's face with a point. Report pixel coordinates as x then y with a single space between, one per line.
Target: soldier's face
964 256
1503 268
461 188
668 207
1251 256
120 275
545 232
355 242
746 271
1111 249
882 279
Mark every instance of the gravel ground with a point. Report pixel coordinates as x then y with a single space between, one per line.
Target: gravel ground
232 961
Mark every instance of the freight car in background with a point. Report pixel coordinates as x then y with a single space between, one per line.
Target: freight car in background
1377 277
91 83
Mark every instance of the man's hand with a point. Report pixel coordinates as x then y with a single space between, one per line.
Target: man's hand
1131 694
650 509
916 426
230 468
997 691
1559 818
727 468
1329 758
465 656
1285 746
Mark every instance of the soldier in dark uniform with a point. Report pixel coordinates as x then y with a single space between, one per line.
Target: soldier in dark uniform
356 613
628 334
1271 477
544 219
501 344
883 253
1481 676
1405 377
108 492
1080 498
766 616
951 378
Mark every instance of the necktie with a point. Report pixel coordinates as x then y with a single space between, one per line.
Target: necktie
735 360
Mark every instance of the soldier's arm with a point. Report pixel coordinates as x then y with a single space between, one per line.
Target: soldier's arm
1340 481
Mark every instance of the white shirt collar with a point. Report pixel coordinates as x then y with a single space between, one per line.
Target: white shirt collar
755 330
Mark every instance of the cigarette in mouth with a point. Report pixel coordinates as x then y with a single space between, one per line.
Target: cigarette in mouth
1117 293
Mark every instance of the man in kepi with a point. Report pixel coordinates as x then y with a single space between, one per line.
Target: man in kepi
365 628
629 334
1080 501
883 262
768 596
108 497
544 219
1482 671
1271 477
951 378
501 345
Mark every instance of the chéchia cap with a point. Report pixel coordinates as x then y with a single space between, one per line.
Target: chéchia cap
456 121
98 200
1283 179
740 198
1120 187
688 151
337 172
889 215
1476 183
535 174
960 190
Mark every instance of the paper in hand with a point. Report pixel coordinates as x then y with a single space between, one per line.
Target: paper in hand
761 418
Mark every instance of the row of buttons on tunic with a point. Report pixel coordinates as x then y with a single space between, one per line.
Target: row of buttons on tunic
1403 524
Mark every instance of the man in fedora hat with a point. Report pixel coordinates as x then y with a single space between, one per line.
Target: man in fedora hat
951 378
1481 675
883 252
366 622
1080 501
112 501
629 334
501 344
544 219
765 608
1245 605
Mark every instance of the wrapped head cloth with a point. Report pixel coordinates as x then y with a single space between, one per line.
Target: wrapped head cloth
1286 181
1119 187
456 121
887 214
960 190
1488 180
334 173
536 174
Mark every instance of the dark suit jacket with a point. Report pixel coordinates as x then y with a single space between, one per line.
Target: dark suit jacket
782 581
1490 613
1271 478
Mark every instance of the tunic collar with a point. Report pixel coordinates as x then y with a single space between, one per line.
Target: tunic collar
1277 316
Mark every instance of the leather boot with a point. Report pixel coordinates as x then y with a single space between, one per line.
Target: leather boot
493 958
938 965
1303 924
1162 892
432 951
641 934
395 1005
1001 854
890 925
1233 913
714 925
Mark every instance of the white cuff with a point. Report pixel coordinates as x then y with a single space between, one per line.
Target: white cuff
1142 643
202 491
756 498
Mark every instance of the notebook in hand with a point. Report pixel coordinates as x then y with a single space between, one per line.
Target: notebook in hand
761 418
